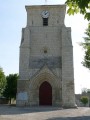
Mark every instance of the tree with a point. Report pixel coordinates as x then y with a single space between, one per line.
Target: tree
84 91
2 81
79 6
86 46
84 100
88 90
11 87
82 6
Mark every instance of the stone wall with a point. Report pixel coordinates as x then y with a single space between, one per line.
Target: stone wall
56 18
46 54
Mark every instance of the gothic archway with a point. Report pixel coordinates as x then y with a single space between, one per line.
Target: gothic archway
45 94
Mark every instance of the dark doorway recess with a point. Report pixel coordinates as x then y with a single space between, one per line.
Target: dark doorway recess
45 94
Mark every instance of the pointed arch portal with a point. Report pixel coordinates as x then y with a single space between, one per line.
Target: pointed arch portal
45 94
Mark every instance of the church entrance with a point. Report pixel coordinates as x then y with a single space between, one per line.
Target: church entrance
45 94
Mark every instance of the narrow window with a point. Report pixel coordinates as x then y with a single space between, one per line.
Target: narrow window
45 21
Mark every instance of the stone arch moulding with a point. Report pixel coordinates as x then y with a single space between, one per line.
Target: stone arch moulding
45 74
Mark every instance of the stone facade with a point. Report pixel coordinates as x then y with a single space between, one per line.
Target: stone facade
46 54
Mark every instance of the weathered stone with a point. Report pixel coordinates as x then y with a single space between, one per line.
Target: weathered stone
51 62
46 54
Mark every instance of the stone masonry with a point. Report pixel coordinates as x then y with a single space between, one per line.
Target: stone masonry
46 54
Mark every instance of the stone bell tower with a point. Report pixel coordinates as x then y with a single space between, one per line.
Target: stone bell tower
46 59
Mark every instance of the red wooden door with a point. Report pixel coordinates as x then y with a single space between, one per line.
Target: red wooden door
45 94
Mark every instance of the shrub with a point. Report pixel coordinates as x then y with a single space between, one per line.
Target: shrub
84 100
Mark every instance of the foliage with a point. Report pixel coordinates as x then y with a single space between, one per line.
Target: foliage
86 46
2 81
88 90
11 87
84 100
82 6
84 91
79 6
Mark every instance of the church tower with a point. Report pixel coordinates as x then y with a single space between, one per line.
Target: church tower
46 59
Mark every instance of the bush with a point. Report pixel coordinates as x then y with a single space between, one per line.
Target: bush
84 100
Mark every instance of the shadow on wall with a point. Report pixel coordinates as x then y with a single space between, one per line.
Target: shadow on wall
70 118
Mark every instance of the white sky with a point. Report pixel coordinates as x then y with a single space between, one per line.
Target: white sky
13 18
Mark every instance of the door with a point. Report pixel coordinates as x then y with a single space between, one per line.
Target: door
45 94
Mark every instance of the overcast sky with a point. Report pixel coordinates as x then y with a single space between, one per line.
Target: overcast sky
13 18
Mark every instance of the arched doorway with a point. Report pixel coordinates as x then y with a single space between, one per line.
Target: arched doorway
45 94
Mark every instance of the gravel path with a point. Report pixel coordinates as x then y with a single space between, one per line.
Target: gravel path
43 113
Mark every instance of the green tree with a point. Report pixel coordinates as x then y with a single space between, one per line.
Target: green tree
2 81
86 46
84 100
11 87
82 6
79 6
